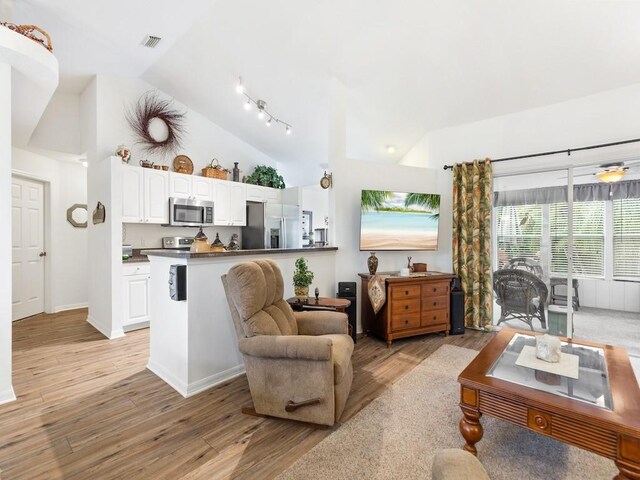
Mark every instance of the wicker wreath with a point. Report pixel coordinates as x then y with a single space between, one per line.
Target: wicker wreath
33 32
148 108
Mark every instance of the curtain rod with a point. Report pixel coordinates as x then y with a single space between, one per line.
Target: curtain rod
555 152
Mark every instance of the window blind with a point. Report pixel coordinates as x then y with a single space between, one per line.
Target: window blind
626 238
519 231
588 238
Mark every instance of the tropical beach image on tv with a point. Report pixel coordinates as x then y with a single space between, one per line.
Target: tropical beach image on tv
398 221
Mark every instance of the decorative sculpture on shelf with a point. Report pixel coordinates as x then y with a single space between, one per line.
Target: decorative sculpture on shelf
233 244
32 32
124 153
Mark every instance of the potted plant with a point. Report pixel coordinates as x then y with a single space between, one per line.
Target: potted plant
302 278
266 176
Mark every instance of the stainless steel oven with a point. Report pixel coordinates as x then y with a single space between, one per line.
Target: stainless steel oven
189 212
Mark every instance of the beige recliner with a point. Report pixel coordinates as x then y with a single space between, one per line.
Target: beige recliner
298 363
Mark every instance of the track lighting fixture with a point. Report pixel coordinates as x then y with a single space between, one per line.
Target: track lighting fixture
261 106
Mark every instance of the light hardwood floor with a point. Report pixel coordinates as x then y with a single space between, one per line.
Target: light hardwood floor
88 408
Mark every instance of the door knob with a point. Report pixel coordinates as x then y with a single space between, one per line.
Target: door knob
42 254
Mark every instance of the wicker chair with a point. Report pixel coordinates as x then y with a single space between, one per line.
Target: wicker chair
525 263
521 295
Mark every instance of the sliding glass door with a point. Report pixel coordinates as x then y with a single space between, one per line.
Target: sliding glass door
581 238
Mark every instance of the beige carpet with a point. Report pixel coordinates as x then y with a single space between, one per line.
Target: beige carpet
397 435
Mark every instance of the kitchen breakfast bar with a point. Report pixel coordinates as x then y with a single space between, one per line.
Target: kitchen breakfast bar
193 344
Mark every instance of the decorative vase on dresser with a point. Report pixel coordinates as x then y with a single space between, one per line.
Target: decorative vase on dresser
372 263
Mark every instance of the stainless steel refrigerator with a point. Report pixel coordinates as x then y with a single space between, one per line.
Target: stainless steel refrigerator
271 225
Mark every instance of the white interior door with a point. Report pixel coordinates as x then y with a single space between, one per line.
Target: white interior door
27 247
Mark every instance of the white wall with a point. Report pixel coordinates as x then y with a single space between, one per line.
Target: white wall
66 246
605 117
203 141
315 199
59 127
6 390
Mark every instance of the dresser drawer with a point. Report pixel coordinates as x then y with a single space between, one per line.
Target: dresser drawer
434 317
402 306
407 291
405 320
435 303
435 289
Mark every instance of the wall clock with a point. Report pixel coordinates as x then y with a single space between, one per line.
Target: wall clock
325 182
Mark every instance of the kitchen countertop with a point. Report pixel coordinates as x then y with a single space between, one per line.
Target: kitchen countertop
234 253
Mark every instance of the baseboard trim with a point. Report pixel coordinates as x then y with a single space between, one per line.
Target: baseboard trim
110 334
215 379
136 326
7 396
64 308
188 390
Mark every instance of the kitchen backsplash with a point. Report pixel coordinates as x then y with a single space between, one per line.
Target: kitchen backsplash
150 236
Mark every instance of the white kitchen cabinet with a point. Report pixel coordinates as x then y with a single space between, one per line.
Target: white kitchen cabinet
238 204
132 194
191 186
230 204
257 193
145 195
179 185
156 196
136 298
202 188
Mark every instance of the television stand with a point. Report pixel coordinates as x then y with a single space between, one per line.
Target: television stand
415 305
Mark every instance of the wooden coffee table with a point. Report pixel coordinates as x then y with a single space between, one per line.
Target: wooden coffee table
598 412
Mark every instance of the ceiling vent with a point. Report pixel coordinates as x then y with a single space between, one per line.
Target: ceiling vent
151 41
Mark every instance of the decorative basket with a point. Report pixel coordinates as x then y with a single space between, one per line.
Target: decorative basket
214 170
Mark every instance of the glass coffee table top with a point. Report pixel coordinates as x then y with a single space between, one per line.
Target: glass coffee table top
592 385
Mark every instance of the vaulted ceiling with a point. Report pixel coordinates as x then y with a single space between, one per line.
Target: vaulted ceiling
409 66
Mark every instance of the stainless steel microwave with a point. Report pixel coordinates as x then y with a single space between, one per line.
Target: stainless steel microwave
189 212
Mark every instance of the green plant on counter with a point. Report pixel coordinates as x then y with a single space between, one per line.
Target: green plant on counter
302 277
266 176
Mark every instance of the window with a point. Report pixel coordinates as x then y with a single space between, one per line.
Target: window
626 238
588 238
519 229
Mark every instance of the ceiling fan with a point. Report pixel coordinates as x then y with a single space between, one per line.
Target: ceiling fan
611 172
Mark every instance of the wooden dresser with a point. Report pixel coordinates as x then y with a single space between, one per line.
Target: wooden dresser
414 306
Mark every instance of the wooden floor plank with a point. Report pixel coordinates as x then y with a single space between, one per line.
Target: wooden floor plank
87 407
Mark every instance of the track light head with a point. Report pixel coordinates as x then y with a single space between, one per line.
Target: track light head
247 105
288 130
240 87
269 121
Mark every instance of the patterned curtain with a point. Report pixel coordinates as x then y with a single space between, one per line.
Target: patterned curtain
472 192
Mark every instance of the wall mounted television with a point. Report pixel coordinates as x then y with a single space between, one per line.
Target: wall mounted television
398 220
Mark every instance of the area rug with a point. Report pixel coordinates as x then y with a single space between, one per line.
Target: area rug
397 435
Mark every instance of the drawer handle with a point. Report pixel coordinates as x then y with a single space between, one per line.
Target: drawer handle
406 321
406 292
435 289
406 307
434 317
434 304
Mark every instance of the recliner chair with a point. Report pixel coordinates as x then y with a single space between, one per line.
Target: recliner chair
298 363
